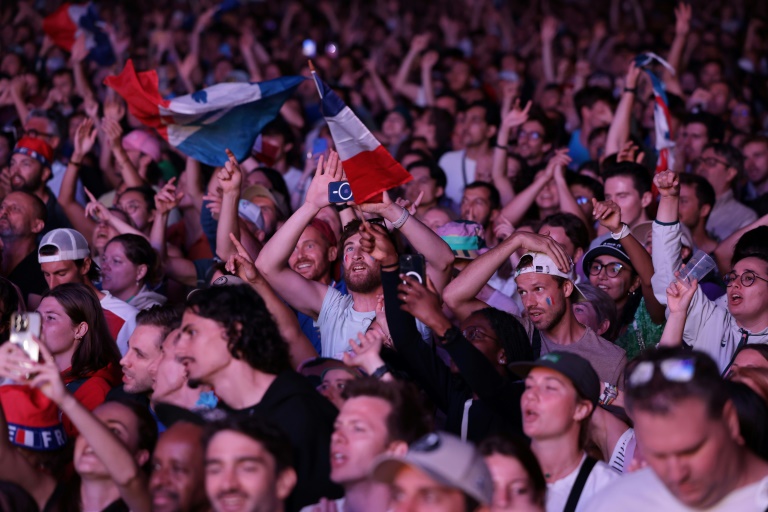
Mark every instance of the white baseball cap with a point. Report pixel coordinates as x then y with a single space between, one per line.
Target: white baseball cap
69 245
542 264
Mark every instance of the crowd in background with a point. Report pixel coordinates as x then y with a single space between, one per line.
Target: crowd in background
520 326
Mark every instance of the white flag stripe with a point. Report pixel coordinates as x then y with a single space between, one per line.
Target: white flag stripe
350 135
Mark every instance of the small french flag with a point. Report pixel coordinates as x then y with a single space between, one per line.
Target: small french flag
369 167
69 21
203 124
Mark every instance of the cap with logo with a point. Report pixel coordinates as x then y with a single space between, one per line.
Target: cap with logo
33 419
577 369
69 245
542 264
609 247
444 458
36 148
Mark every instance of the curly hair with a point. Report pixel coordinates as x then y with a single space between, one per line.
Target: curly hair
511 334
252 334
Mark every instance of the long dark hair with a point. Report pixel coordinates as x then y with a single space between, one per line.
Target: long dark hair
518 449
97 349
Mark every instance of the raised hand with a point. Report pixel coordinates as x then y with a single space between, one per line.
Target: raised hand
366 352
608 214
328 170
680 294
96 210
46 377
516 116
633 73
683 13
502 228
532 242
558 164
85 138
668 183
629 153
419 43
112 130
429 59
230 176
548 29
241 264
422 302
412 207
375 242
168 198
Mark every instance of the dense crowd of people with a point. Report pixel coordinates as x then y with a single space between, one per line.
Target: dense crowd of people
524 325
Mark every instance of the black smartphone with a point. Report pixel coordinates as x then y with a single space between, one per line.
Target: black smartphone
413 265
339 192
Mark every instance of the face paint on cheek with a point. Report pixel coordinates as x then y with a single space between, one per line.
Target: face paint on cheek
347 258
549 301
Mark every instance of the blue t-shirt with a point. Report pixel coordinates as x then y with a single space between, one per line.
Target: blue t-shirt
578 153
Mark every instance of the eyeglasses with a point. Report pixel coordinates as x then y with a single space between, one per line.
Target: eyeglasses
711 161
747 278
529 135
611 269
581 200
673 370
475 333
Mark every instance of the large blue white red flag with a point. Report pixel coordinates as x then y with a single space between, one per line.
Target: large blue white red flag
204 123
70 21
369 167
662 118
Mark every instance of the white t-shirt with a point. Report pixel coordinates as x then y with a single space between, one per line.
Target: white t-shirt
599 478
339 323
642 491
452 163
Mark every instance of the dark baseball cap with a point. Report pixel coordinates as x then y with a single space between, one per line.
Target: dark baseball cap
609 247
577 369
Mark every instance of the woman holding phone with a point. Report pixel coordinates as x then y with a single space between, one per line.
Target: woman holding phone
75 333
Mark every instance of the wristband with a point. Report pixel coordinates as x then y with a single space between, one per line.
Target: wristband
631 90
380 371
399 222
505 148
76 164
341 207
622 233
390 267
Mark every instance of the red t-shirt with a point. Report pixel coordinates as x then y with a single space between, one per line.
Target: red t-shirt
92 392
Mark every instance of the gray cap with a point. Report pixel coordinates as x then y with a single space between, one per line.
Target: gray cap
446 459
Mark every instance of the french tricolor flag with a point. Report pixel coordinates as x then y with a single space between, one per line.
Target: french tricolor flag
369 167
662 119
69 21
203 124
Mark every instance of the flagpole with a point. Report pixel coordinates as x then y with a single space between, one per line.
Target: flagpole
313 71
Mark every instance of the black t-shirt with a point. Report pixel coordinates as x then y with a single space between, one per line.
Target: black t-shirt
28 276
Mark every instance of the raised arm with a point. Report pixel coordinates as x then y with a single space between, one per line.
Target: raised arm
460 293
515 211
230 178
568 203
436 251
241 264
165 201
679 296
382 91
428 62
618 132
511 118
401 85
304 295
123 468
608 214
724 251
548 33
98 211
683 13
85 137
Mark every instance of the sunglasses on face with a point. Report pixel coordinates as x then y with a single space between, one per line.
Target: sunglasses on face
673 370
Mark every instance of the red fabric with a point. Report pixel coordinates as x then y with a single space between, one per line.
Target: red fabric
372 172
142 94
60 27
39 146
114 323
93 391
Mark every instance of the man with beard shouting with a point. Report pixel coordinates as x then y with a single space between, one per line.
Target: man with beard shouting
341 317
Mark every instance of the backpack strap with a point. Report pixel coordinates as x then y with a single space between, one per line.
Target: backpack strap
578 485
